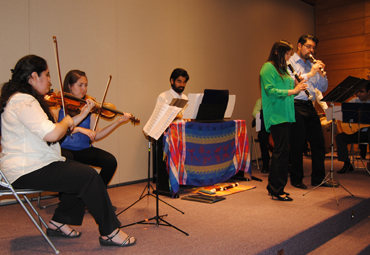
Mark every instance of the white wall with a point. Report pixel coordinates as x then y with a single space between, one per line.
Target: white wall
221 43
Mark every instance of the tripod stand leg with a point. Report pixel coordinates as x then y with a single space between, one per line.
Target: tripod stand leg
157 217
168 204
330 176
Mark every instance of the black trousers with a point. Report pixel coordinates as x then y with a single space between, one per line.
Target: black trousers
307 127
344 139
278 175
81 186
95 157
263 137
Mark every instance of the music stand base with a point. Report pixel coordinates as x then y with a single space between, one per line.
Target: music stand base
332 180
148 194
157 223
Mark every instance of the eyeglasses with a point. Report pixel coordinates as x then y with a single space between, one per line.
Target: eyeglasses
309 47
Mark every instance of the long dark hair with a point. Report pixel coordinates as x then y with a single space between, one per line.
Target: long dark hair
19 82
71 78
277 56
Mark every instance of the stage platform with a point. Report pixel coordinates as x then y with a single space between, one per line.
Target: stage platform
248 222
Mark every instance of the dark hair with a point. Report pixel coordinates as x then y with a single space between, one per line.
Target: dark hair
277 56
303 39
367 87
179 72
71 78
19 82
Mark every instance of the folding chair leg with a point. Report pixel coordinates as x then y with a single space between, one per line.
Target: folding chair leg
44 206
34 221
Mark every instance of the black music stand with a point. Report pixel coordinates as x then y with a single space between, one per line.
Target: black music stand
346 89
158 218
148 187
356 113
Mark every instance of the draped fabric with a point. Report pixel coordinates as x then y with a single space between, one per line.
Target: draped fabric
201 154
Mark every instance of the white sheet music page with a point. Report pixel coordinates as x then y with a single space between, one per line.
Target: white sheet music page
258 122
160 119
193 105
230 106
337 113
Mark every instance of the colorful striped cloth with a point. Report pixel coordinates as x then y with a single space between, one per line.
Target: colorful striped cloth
202 154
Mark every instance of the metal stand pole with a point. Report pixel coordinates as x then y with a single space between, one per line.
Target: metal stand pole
330 176
158 218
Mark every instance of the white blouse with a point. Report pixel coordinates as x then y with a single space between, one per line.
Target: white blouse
24 124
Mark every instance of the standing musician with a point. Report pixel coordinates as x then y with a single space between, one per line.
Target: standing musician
277 90
78 146
343 139
307 125
31 156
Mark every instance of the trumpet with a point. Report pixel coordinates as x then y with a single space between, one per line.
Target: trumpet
310 97
314 61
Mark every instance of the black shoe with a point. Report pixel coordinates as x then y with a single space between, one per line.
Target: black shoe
269 190
265 170
114 208
329 184
299 185
283 197
346 168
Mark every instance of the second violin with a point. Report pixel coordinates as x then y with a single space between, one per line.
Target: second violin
75 104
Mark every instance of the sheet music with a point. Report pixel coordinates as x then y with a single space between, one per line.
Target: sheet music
195 99
337 113
258 122
230 106
160 119
179 102
193 106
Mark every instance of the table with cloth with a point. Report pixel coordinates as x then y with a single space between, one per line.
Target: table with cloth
202 154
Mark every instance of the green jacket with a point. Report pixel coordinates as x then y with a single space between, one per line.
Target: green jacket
277 106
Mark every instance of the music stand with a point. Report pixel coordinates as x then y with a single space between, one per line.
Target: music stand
346 89
213 106
163 125
357 113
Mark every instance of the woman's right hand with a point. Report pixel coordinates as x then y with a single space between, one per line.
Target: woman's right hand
68 119
300 87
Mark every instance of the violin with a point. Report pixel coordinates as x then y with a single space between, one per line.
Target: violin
75 104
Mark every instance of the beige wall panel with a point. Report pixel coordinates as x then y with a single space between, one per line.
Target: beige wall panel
347 61
341 29
344 45
349 11
14 39
223 45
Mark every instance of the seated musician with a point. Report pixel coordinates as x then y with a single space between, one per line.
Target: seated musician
343 139
178 79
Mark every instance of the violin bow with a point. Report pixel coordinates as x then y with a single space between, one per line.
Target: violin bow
60 79
59 75
102 102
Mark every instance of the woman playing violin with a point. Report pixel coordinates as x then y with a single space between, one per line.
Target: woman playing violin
78 146
31 155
